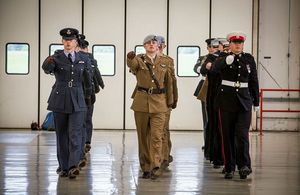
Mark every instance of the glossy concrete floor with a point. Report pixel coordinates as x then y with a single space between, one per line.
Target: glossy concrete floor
28 164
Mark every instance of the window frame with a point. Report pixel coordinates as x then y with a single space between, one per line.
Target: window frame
177 56
6 56
137 46
115 52
53 44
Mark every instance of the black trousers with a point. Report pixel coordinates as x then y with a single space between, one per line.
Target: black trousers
235 133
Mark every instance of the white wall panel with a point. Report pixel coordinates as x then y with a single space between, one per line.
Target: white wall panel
104 24
232 15
143 18
189 25
19 93
55 15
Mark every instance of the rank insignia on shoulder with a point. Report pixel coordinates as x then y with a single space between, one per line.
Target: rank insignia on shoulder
81 62
248 68
163 65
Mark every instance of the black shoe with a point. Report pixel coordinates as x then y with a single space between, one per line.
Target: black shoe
63 174
244 172
229 175
87 148
223 171
58 170
164 165
170 158
82 163
217 166
146 175
155 173
73 172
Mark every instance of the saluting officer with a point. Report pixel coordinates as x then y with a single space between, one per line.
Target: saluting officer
153 98
67 100
167 144
239 90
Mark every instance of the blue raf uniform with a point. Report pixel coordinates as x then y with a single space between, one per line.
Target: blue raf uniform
238 92
67 101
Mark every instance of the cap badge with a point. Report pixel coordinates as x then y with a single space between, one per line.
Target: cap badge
68 32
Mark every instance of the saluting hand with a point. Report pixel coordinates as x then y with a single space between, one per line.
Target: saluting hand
131 55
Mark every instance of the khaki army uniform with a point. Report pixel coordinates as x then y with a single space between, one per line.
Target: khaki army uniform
167 144
150 107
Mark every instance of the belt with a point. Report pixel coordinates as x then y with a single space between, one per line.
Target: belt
234 84
151 90
70 83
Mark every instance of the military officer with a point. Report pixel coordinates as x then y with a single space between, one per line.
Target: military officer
211 48
67 100
97 83
237 93
167 144
153 98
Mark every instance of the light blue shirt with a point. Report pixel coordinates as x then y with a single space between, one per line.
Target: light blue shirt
72 54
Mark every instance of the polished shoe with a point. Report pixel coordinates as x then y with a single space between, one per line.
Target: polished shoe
164 165
58 170
146 175
155 173
244 172
223 171
82 163
73 172
63 174
229 175
170 158
87 148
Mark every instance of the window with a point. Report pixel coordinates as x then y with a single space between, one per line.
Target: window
139 49
17 58
54 47
106 58
187 57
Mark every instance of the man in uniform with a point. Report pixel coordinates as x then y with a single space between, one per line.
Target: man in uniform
211 48
239 90
153 98
67 100
167 144
97 82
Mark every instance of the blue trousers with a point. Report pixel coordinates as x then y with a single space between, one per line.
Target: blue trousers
69 129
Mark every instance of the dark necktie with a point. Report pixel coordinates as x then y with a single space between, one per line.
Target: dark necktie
70 58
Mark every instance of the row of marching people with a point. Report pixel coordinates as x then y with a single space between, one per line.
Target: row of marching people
72 98
154 97
228 90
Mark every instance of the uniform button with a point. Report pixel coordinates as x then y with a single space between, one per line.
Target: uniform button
153 66
239 74
222 89
239 66
72 65
72 72
57 92
152 81
237 59
71 79
230 66
237 89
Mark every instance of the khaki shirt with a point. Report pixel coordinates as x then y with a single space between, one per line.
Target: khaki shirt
151 103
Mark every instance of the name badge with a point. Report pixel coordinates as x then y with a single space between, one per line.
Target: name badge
81 62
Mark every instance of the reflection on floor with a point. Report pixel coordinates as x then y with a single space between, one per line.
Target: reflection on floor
28 164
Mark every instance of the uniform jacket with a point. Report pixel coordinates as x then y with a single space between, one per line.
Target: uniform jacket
67 95
243 69
151 103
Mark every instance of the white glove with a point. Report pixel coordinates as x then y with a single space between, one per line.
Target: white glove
256 108
229 59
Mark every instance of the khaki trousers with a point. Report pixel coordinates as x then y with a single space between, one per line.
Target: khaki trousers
150 128
167 144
